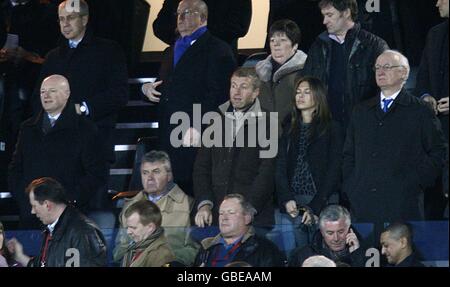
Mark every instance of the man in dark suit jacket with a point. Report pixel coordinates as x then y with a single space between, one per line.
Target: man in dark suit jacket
394 149
228 20
432 87
66 150
96 70
196 70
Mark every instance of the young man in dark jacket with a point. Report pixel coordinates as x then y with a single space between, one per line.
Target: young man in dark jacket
70 239
343 57
237 240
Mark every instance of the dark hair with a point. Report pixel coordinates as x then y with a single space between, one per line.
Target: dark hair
3 249
47 188
321 116
248 72
399 230
289 27
341 6
148 212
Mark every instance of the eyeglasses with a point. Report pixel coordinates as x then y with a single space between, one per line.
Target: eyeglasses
185 13
386 67
69 18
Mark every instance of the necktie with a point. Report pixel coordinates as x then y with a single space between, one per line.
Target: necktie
52 121
386 103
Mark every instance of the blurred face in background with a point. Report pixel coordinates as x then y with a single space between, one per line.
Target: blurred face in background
443 8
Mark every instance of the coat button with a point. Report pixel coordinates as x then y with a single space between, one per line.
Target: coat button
380 124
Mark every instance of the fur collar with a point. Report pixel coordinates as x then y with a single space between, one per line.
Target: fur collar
264 67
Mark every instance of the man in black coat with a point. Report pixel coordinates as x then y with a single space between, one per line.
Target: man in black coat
335 240
67 150
196 70
70 239
234 165
237 240
432 87
397 245
96 70
342 57
227 20
393 151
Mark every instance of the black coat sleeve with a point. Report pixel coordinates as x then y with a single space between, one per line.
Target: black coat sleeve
165 23
283 192
333 178
115 95
94 166
237 22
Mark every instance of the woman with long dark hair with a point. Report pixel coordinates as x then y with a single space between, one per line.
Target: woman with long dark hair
308 168
5 257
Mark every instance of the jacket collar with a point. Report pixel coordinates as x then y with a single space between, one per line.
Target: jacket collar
254 111
176 194
403 99
86 41
67 120
264 67
212 241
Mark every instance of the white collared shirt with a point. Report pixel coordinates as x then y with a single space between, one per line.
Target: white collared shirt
382 97
51 227
74 44
336 38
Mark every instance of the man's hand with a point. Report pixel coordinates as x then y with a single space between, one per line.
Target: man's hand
442 106
203 217
432 102
291 208
149 90
309 218
16 249
352 241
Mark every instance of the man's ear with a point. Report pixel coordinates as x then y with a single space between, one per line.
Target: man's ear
347 14
403 242
48 204
85 20
248 219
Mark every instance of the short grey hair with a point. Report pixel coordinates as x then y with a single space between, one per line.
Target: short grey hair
318 261
402 60
247 207
334 213
157 156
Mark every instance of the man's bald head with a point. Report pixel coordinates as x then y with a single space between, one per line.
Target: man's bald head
55 92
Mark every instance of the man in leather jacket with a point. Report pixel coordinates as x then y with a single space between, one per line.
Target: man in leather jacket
237 240
70 239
